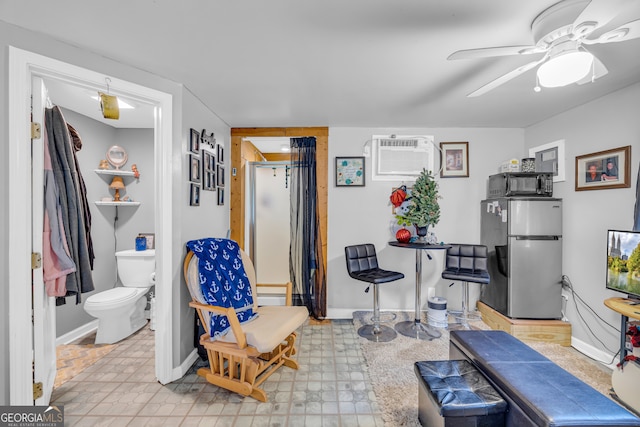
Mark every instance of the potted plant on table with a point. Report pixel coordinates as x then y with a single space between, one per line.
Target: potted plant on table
423 209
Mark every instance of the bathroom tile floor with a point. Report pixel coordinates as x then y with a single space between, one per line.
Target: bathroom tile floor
331 388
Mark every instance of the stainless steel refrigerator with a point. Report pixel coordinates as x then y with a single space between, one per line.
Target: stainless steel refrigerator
524 240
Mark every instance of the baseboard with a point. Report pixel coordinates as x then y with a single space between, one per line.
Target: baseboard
594 353
182 370
78 333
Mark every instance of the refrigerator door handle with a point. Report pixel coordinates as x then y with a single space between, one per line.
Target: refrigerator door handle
537 237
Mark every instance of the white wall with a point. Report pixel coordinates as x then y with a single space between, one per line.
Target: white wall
609 122
206 220
363 215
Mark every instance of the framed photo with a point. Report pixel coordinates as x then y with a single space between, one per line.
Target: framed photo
455 160
194 142
349 171
550 158
220 176
194 168
194 198
604 169
220 196
220 153
151 239
209 181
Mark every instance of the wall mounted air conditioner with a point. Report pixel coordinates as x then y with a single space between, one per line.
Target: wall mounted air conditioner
401 158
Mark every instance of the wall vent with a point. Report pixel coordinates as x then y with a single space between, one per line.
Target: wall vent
401 158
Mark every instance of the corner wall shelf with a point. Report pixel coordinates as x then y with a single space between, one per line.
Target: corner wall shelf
117 203
118 172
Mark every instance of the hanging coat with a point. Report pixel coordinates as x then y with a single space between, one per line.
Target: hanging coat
66 176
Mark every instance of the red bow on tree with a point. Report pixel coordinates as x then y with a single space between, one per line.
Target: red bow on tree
398 196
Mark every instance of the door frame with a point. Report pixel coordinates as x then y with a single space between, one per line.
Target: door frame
23 65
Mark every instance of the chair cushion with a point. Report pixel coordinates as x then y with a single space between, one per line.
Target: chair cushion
271 327
466 275
377 275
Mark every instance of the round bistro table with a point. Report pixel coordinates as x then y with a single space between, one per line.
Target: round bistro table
415 328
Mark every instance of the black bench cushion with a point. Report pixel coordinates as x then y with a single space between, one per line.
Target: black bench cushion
459 389
546 393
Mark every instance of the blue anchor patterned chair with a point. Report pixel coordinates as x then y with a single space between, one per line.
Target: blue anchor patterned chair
241 359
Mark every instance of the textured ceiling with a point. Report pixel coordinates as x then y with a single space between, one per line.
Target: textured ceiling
373 63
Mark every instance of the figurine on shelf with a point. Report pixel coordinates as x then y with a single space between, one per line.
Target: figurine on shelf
134 168
104 165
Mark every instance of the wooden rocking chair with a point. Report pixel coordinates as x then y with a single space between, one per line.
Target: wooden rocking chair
244 358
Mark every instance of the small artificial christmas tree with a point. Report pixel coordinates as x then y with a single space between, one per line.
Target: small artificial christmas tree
424 209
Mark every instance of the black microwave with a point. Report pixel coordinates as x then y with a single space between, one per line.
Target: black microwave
510 184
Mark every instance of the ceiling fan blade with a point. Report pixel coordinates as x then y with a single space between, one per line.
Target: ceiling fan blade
628 31
599 70
505 78
596 14
488 52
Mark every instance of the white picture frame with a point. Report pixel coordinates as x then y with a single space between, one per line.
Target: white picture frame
550 158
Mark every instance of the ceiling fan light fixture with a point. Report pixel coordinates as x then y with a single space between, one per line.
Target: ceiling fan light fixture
568 67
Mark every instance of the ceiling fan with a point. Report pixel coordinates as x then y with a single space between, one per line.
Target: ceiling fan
561 38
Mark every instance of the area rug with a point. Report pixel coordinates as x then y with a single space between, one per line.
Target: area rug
395 385
72 359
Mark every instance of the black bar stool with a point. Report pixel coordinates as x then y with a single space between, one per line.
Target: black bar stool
467 263
362 264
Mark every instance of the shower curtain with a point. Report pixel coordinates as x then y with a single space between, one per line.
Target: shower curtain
306 265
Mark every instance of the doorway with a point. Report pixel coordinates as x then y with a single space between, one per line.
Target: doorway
23 66
269 223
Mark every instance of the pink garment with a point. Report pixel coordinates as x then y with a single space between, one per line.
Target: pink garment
56 261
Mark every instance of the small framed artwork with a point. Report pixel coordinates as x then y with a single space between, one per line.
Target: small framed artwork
209 181
220 196
550 158
455 160
151 239
350 172
220 153
206 160
220 176
194 142
194 168
604 169
194 198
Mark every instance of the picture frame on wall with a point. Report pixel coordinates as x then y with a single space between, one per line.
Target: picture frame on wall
550 158
194 168
194 195
220 153
350 172
455 160
604 169
220 176
220 196
194 142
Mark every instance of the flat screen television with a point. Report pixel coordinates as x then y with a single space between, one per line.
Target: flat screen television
623 262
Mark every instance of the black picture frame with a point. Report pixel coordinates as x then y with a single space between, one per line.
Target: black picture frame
220 196
350 172
194 142
194 195
220 176
195 169
220 153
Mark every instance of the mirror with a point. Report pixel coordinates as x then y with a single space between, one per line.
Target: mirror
117 156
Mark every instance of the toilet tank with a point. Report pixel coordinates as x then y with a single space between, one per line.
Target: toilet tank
136 269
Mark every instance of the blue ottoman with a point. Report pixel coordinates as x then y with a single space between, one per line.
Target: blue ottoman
452 393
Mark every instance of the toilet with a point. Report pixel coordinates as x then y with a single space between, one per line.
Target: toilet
120 311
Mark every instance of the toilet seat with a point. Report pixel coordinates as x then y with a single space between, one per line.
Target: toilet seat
115 296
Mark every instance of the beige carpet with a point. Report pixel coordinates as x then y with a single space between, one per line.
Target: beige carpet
395 384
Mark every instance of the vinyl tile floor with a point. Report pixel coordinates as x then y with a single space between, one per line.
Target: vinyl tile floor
331 388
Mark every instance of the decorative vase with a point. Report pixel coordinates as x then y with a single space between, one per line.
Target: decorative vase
422 233
403 235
